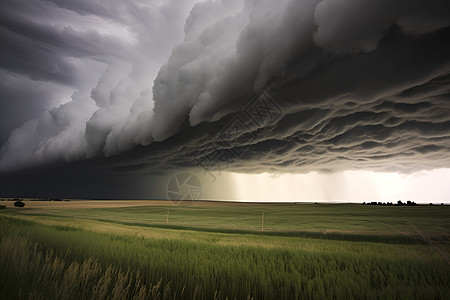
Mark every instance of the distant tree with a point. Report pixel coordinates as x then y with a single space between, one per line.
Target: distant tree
430 204
399 202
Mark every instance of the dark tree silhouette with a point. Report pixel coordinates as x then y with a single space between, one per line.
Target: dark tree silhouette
19 204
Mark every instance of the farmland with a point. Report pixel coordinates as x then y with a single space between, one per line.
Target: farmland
151 250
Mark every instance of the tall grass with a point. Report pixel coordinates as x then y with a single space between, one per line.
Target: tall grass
40 261
35 272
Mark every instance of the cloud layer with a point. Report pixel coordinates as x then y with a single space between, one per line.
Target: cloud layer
87 69
248 86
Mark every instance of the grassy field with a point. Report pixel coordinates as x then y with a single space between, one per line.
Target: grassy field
239 251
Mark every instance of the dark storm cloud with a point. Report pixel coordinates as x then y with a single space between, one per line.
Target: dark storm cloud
86 71
364 96
41 50
350 85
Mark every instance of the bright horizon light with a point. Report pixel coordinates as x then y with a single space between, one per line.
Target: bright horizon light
348 186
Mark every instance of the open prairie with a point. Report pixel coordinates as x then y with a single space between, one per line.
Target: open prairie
75 203
153 250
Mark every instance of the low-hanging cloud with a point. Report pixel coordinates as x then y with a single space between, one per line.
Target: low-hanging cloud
356 84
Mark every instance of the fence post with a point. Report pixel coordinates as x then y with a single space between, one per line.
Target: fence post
262 221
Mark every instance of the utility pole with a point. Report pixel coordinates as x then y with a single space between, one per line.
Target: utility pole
262 222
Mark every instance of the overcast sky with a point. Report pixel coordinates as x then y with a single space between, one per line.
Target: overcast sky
109 99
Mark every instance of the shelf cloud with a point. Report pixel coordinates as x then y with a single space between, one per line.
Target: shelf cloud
249 86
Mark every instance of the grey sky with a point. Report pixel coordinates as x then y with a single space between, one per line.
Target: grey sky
126 88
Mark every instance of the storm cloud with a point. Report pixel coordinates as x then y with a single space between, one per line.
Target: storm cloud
247 86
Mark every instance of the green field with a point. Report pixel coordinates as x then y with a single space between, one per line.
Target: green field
260 251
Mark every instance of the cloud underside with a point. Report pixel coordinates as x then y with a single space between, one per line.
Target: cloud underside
252 87
405 132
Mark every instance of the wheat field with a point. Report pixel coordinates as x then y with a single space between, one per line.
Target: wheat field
160 252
